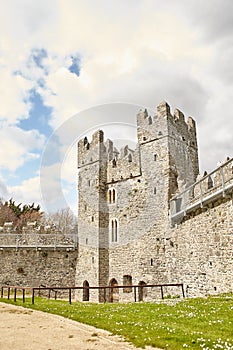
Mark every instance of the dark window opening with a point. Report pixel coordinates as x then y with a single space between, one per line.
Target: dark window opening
86 291
127 282
111 196
114 291
114 230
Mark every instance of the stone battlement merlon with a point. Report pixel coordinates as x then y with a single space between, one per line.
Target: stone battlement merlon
163 123
89 151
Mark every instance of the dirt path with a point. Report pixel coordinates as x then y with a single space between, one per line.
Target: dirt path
25 329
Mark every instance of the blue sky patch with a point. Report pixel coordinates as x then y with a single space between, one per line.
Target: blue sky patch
38 55
75 66
38 117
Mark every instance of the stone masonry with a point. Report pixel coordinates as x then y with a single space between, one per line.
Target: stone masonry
126 235
146 216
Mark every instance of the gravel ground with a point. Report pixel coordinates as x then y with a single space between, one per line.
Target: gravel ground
25 329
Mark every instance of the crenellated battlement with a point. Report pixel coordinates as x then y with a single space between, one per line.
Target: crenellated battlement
164 124
91 151
124 165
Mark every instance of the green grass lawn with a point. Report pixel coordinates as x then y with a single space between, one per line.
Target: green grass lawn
200 323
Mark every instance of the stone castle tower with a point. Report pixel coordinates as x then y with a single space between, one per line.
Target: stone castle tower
124 199
145 218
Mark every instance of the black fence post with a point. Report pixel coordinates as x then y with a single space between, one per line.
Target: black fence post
8 293
70 295
33 296
182 287
162 292
135 294
2 292
15 292
23 295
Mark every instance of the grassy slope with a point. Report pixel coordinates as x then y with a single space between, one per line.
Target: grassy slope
192 323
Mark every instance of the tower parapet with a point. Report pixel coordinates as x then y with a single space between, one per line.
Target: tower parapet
89 151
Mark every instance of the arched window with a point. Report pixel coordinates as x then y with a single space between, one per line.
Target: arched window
114 291
114 163
111 196
150 120
85 291
130 158
127 283
114 230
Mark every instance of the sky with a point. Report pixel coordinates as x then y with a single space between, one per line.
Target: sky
70 67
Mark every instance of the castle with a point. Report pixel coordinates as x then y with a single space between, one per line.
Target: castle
146 216
144 220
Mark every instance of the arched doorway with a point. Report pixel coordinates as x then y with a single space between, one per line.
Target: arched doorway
141 290
85 291
113 292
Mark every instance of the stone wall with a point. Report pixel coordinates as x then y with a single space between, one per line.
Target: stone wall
31 267
125 232
201 254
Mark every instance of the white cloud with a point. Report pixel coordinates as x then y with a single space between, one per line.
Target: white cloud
131 51
27 192
14 91
18 146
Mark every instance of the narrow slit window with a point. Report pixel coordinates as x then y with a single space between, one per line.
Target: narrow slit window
113 196
114 230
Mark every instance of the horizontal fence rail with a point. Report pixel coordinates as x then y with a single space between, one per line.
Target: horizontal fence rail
212 186
38 240
69 290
